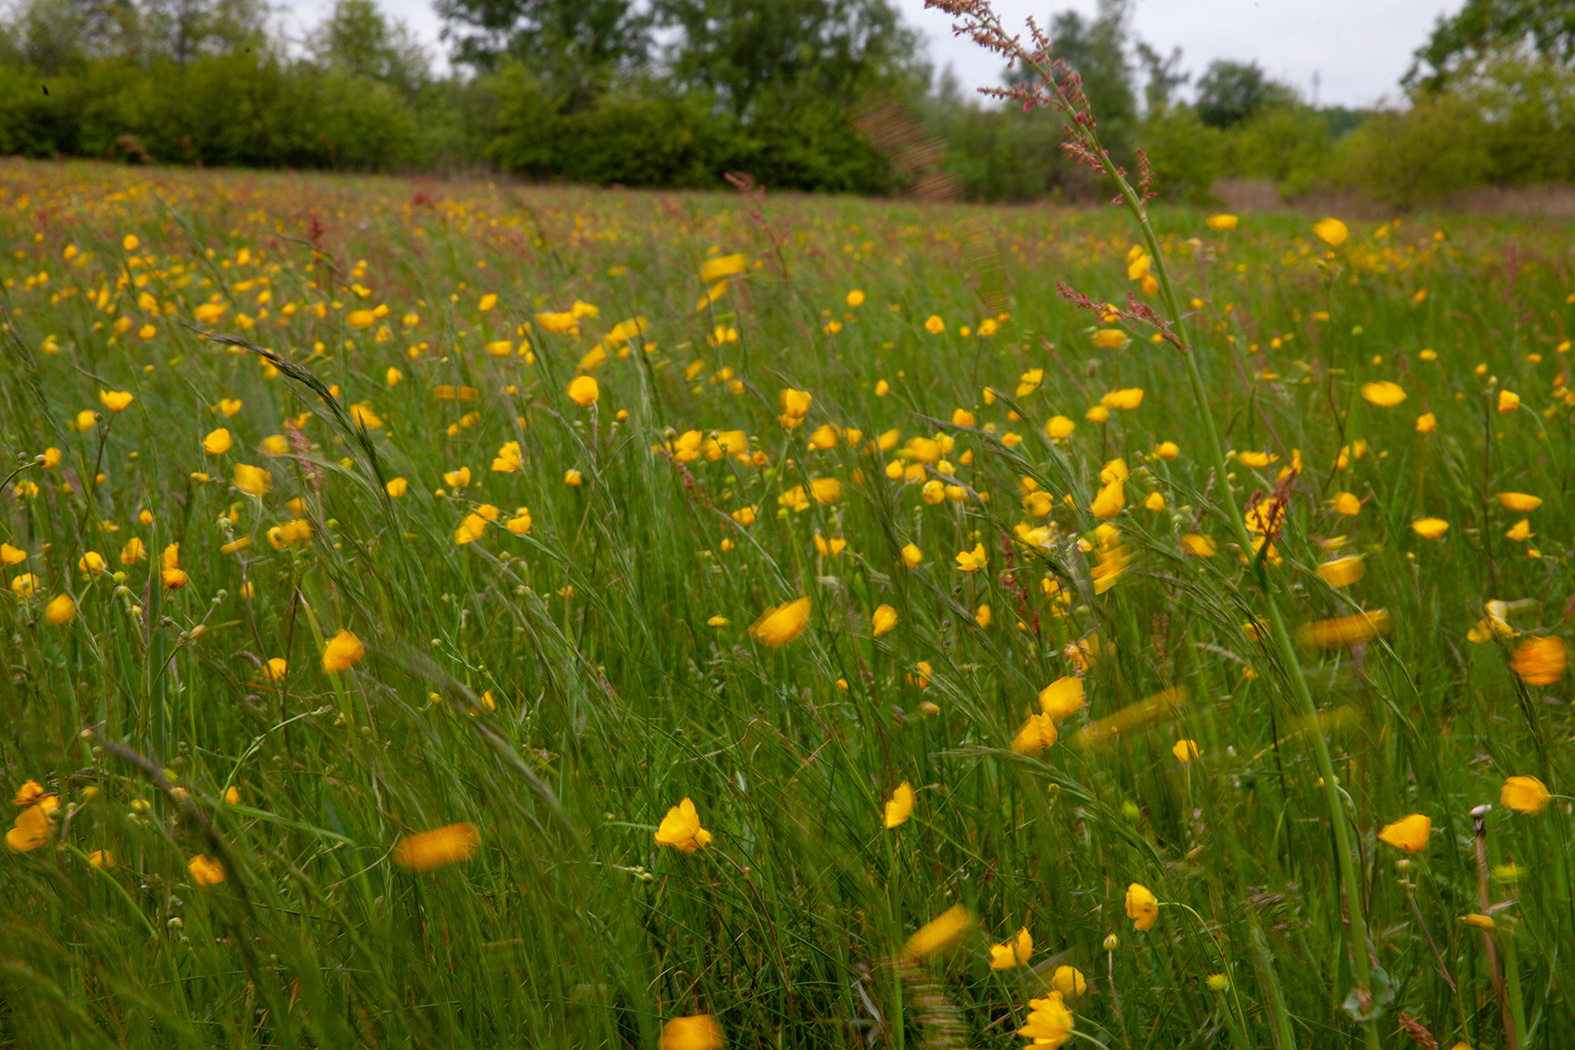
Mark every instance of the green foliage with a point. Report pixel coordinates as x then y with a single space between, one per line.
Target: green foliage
798 52
656 137
1186 154
1232 92
1484 29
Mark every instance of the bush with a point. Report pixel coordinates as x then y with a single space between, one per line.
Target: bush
1186 155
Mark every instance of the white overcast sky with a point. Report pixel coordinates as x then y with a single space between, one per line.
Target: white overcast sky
1358 48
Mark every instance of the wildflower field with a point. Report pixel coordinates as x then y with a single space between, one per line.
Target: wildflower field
473 616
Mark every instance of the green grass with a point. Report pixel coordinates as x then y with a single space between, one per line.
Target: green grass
615 700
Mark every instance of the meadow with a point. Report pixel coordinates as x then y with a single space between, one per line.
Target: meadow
470 615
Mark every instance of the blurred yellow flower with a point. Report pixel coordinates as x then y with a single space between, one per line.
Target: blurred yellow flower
779 625
974 560
940 932
697 1032
900 807
204 871
1426 423
1221 222
1069 981
1344 631
1540 661
884 619
1342 572
342 652
725 266
1384 394
1409 833
440 847
583 391
1524 795
1508 401
1185 751
1035 734
1110 339
217 443
1062 698
60 610
1519 502
115 400
1332 232
934 325
254 481
30 829
1430 528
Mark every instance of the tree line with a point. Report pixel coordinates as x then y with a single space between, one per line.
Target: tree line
675 93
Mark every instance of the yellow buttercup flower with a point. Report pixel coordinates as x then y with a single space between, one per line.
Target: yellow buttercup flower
1508 401
1221 222
780 624
1332 232
723 266
440 847
1049 1022
1519 502
205 871
343 651
1069 981
1342 572
1062 698
884 619
218 442
1142 906
681 829
696 1032
30 829
1384 394
1185 751
115 400
583 391
1036 734
1344 631
1013 953
1430 528
60 610
900 806
974 560
1540 661
1524 795
940 932
254 481
1409 833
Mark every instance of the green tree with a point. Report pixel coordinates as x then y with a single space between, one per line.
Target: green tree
1482 28
830 49
1096 49
1231 92
357 39
574 47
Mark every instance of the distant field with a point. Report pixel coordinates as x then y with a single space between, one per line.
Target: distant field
357 669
